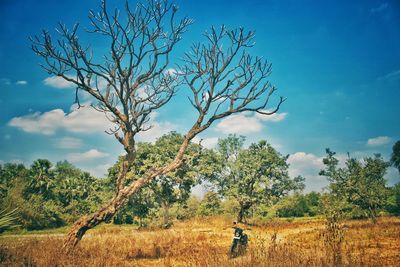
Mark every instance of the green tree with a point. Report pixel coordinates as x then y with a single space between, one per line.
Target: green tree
165 189
210 204
395 158
8 220
394 199
9 174
299 205
360 183
258 174
41 178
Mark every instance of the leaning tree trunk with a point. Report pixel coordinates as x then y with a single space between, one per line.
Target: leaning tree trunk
87 222
123 193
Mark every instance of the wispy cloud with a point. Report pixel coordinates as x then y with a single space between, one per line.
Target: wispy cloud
21 82
68 143
380 8
86 156
276 117
379 141
391 76
5 81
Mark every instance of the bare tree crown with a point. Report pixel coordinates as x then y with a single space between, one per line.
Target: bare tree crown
225 79
133 79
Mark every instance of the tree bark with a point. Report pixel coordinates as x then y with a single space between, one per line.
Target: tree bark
108 211
165 205
240 215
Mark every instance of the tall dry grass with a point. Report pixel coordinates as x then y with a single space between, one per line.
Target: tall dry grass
205 242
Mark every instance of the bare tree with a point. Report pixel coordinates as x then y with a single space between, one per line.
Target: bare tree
133 80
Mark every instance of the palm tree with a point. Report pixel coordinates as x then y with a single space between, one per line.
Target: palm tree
8 220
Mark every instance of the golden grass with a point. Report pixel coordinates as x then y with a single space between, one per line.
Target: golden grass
205 242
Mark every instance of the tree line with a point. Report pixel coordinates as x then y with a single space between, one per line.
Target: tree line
245 183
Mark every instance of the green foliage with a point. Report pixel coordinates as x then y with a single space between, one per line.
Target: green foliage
49 196
8 220
393 202
299 205
395 158
251 176
9 173
210 204
165 190
245 181
188 209
359 183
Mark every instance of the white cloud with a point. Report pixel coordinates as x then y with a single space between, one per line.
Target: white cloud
392 176
45 123
239 124
16 161
68 143
302 160
83 120
308 166
21 83
379 141
100 170
58 82
172 72
276 117
245 123
13 161
157 129
86 156
206 142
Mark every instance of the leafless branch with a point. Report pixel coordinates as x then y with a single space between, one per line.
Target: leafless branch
225 79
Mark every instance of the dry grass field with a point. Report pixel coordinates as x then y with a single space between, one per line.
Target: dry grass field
205 242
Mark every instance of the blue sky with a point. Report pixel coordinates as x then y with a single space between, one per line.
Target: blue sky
337 62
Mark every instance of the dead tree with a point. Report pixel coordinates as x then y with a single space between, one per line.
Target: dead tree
132 81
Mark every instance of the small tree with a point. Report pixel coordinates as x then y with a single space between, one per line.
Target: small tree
210 204
174 187
251 176
361 184
132 81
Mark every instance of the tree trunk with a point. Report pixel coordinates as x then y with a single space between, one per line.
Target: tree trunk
108 211
123 193
165 207
244 207
87 222
240 215
373 215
